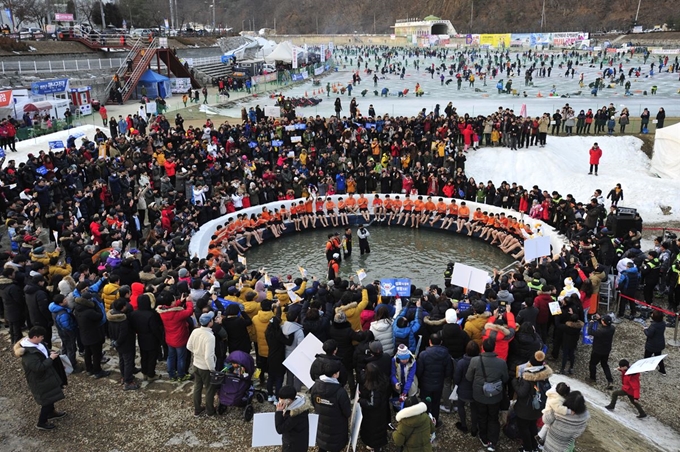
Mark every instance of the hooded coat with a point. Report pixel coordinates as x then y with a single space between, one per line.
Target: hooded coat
89 317
382 331
474 326
176 323
414 429
147 323
525 389
261 321
41 375
13 299
120 331
455 339
503 334
38 304
293 425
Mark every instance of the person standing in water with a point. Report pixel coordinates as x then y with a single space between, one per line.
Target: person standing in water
363 235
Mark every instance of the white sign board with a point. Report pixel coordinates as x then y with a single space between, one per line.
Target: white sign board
272 112
264 430
469 277
300 360
355 426
645 365
536 247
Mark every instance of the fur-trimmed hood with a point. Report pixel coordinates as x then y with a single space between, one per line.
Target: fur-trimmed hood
499 328
484 315
115 316
429 321
88 303
541 375
346 307
577 324
162 309
412 411
299 405
19 350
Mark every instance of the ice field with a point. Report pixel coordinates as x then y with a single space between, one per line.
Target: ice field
467 100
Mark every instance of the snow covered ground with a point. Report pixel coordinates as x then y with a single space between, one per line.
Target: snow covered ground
563 166
467 100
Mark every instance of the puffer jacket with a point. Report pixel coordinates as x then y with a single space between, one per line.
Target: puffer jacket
63 318
503 334
293 425
147 323
13 299
474 326
414 429
382 331
136 289
407 334
38 305
109 295
261 321
522 348
176 323
295 330
495 368
41 375
525 389
433 367
120 331
89 315
331 403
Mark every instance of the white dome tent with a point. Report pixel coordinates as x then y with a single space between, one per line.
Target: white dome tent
666 158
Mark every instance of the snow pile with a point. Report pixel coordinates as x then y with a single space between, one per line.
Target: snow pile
563 166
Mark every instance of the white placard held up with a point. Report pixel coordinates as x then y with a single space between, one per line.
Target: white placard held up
355 425
645 365
361 274
295 139
536 247
264 430
555 308
469 277
272 112
300 360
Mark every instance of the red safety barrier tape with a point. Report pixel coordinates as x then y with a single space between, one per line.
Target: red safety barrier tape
649 305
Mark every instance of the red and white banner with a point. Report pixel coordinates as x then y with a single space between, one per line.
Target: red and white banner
63 17
5 98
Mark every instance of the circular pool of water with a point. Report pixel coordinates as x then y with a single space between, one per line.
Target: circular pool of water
396 252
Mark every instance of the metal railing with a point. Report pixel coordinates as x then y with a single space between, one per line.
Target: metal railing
138 70
122 67
202 61
59 66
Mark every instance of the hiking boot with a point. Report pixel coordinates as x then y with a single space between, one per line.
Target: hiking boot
46 426
642 415
199 412
609 407
102 374
131 386
187 377
460 427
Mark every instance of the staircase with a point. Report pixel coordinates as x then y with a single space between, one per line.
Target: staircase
176 67
95 40
141 59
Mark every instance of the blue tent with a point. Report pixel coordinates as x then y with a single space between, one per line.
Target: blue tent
155 83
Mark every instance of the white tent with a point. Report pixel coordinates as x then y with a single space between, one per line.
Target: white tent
282 52
666 158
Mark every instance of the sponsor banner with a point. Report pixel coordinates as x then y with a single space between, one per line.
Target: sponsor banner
266 78
318 71
495 40
5 98
568 38
63 17
49 86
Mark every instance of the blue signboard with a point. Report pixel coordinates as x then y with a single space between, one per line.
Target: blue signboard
42 170
277 143
56 144
2 153
296 77
49 86
395 286
300 126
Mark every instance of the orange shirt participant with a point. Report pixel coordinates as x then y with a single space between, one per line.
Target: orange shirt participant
453 208
430 206
396 205
418 206
377 202
309 205
341 205
330 207
478 215
319 206
463 211
350 203
441 208
407 205
362 203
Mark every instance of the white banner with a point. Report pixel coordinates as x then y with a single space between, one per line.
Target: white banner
300 360
322 53
180 85
294 62
536 247
264 430
469 277
272 112
318 71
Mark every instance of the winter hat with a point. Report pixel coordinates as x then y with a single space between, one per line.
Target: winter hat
403 352
232 290
275 282
607 319
205 319
451 316
287 392
411 401
537 359
183 272
232 309
266 305
340 317
219 274
39 249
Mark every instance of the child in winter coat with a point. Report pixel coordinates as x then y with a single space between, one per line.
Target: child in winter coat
555 403
495 137
630 386
405 330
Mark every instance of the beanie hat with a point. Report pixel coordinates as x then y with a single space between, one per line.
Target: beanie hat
183 272
219 274
403 352
537 359
266 305
340 317
232 309
451 316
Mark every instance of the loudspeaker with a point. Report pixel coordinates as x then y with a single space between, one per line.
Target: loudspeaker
626 212
622 225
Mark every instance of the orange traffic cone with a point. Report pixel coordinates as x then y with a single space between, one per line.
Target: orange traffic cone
539 94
